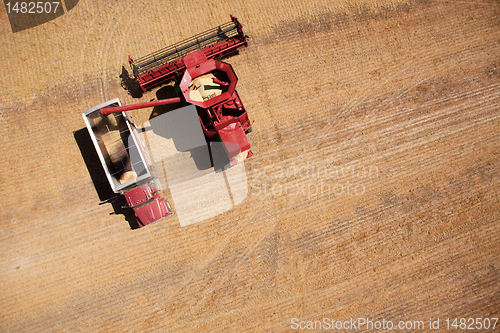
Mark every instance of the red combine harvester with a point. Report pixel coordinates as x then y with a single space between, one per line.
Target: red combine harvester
204 81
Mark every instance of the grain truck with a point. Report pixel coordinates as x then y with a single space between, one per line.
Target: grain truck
125 163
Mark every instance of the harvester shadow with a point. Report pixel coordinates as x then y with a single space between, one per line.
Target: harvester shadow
99 179
131 85
205 154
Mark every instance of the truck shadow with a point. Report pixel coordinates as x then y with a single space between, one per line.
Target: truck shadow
99 179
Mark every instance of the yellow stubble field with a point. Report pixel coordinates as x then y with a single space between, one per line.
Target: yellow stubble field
373 191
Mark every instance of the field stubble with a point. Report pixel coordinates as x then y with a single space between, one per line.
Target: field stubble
408 90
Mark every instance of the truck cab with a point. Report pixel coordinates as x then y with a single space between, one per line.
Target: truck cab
147 204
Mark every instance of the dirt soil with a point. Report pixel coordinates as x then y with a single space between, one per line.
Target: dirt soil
374 189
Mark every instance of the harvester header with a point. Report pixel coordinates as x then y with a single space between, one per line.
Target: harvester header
163 65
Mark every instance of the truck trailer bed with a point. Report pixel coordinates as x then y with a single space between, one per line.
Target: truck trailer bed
118 147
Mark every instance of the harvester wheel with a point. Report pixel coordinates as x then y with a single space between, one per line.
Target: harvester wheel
249 130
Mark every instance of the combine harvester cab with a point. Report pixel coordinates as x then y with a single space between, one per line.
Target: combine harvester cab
124 161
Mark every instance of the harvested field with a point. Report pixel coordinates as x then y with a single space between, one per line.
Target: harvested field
373 192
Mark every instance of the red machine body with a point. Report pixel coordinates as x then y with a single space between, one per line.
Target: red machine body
148 206
204 81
